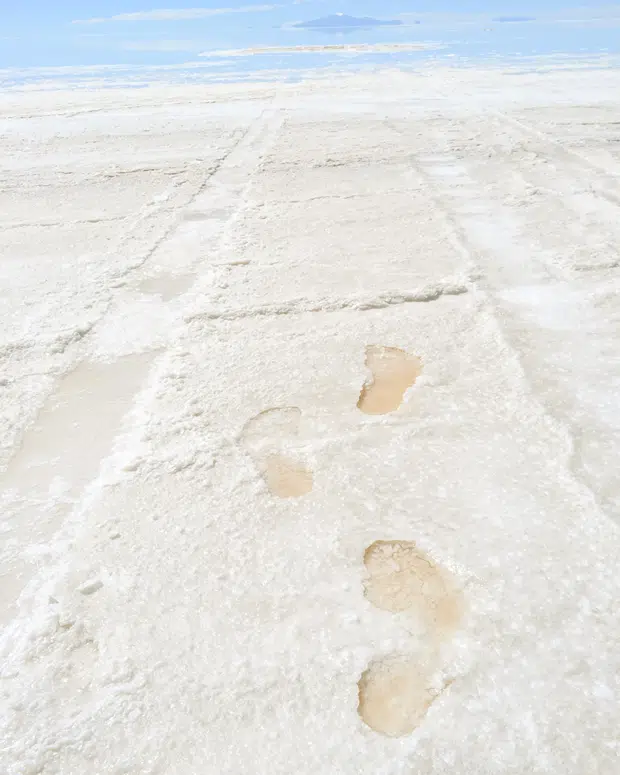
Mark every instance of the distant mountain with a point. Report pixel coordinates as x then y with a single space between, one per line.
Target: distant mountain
341 21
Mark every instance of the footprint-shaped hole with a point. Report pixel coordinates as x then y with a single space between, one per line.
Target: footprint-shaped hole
403 578
394 695
262 437
393 372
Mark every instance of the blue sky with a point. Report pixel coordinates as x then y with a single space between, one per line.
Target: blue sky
88 32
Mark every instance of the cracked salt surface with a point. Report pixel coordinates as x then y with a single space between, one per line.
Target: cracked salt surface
308 427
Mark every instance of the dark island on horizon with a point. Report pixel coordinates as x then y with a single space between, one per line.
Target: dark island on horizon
343 21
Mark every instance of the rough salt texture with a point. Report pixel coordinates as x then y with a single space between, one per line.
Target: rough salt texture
309 427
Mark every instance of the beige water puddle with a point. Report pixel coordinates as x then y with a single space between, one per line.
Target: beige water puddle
262 437
394 695
396 691
401 578
167 286
287 478
61 453
393 371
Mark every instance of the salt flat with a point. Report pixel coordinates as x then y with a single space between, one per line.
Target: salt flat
309 426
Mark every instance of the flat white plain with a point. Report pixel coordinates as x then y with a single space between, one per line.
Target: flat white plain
212 560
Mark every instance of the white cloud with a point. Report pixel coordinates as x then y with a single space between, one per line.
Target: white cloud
174 14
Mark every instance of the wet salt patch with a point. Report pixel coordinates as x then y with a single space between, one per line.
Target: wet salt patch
168 286
68 438
435 159
139 324
213 213
555 306
161 198
63 451
90 587
551 305
448 170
